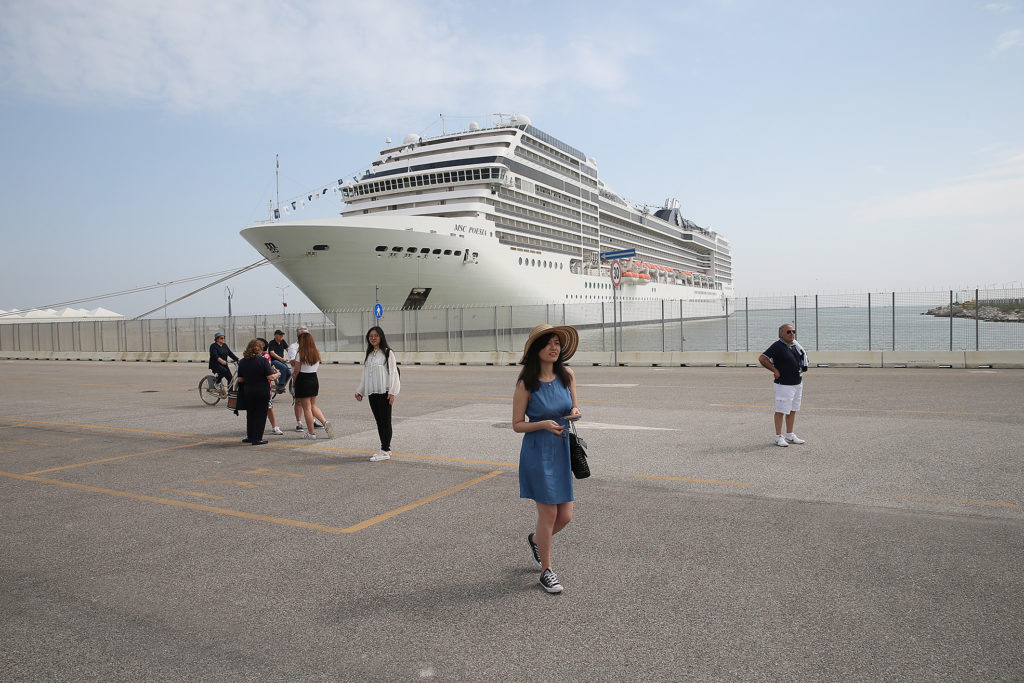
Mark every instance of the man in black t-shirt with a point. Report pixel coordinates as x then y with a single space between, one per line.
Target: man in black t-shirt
785 362
278 350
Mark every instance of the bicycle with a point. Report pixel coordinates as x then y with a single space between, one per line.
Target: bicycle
210 391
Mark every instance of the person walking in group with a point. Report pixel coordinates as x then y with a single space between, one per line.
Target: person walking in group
307 385
293 350
785 359
274 429
545 395
219 354
380 383
255 374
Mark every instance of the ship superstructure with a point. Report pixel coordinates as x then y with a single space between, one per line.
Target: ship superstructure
500 215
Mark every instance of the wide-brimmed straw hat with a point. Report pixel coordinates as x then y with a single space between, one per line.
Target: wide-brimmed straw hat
567 336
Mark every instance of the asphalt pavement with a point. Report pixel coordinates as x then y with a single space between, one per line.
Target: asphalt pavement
141 540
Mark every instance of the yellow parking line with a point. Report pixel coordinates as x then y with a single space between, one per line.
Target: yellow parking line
114 429
254 516
118 457
696 481
848 410
192 493
180 504
422 501
464 461
931 499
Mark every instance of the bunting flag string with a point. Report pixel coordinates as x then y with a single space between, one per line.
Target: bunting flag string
303 200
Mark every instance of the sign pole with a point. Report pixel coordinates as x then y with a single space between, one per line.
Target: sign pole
616 273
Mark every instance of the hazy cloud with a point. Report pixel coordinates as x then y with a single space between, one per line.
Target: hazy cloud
360 58
1008 40
996 192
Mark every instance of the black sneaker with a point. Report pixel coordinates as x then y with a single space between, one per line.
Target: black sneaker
535 550
550 582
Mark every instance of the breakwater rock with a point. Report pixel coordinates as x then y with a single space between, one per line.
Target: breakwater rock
986 313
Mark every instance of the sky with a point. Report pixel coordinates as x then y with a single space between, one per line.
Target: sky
841 147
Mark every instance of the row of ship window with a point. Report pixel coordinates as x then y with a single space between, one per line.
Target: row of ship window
540 263
440 178
425 250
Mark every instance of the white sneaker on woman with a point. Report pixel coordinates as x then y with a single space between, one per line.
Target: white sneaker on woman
380 455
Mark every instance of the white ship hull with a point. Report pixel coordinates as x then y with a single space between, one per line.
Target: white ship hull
339 265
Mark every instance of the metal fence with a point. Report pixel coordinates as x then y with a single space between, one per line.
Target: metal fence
870 321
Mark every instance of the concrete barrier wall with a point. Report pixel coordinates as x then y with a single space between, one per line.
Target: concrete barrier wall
836 359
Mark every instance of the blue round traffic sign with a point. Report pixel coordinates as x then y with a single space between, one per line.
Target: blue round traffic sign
378 311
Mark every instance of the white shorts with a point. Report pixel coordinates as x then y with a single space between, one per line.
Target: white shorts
787 397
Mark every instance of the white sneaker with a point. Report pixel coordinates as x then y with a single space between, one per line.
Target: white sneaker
277 430
780 440
380 455
307 435
793 438
329 428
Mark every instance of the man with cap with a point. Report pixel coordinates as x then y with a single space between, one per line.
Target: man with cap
278 350
219 354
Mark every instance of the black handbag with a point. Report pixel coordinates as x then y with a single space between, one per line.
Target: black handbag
578 454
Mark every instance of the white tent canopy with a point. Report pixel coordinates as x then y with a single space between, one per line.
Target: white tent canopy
61 315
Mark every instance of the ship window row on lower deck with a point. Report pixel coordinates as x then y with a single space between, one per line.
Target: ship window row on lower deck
422 250
571 230
573 242
553 207
656 234
657 252
517 240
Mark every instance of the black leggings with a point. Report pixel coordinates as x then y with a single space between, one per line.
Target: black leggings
222 372
381 409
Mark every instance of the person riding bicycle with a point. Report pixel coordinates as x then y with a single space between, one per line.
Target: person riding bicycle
219 353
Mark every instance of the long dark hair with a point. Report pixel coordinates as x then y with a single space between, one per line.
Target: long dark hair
384 348
530 374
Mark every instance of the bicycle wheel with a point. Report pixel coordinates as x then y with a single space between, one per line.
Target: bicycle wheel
209 390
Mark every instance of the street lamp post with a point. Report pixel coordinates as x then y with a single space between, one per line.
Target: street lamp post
284 306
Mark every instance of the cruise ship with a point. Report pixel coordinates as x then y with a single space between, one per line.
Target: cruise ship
505 215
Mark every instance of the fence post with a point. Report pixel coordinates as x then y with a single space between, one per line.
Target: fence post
977 318
817 329
726 324
604 345
746 319
682 338
951 320
869 321
663 326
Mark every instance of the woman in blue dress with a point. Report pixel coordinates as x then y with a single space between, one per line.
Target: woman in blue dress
545 394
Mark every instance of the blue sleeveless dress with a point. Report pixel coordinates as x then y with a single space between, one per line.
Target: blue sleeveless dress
544 471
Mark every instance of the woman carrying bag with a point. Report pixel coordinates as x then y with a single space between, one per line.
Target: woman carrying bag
545 396
380 383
